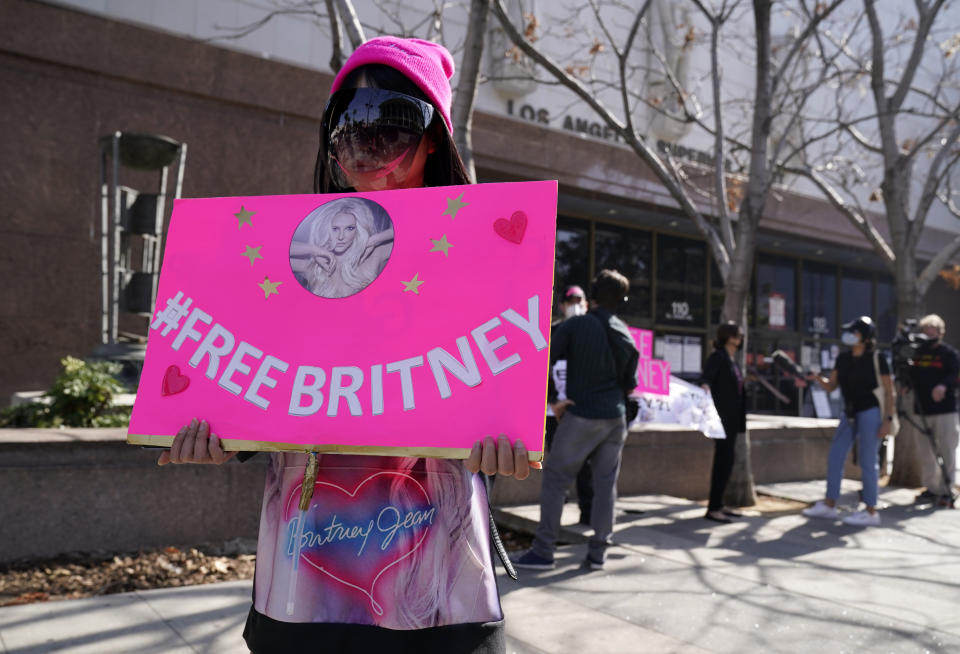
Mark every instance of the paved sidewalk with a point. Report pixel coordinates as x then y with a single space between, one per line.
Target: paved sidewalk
673 583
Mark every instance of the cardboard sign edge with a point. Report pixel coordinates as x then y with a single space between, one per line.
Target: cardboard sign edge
232 444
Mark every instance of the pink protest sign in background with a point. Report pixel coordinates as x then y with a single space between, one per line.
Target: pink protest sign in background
268 325
653 375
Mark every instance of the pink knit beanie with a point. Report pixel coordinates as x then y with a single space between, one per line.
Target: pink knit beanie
426 64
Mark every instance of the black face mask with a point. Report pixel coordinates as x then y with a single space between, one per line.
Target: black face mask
372 133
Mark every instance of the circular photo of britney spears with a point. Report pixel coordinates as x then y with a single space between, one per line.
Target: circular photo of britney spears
340 247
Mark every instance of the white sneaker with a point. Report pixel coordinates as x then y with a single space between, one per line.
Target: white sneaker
862 519
821 510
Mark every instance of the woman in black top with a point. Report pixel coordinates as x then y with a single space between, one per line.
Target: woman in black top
856 372
724 380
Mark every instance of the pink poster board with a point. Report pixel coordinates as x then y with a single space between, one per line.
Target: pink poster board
653 375
412 322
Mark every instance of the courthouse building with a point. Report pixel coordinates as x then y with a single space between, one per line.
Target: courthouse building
248 110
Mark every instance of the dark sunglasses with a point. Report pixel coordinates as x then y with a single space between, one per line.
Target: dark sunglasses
370 130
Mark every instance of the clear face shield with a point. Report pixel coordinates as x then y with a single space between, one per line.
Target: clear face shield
372 135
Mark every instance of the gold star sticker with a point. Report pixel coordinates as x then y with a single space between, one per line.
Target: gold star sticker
252 253
243 217
412 285
453 206
441 246
269 288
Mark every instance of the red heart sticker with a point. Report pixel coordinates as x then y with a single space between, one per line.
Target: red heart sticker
174 382
513 229
354 534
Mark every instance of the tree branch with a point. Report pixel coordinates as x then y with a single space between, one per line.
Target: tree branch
852 214
466 98
622 61
927 16
931 184
336 32
631 138
719 179
351 23
932 269
801 40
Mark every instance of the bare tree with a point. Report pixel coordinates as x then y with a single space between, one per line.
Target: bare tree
732 242
900 148
731 232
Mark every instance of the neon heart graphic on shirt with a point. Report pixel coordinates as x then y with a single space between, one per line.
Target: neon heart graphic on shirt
356 536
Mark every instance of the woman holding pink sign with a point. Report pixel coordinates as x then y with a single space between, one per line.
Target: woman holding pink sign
379 552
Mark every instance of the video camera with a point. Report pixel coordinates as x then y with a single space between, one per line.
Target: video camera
908 341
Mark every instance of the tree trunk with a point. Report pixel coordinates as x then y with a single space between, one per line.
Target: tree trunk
908 451
737 284
740 489
909 448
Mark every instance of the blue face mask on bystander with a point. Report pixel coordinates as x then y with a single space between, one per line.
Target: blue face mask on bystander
849 338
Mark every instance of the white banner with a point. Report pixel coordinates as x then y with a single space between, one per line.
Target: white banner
687 405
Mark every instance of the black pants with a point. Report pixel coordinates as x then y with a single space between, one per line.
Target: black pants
584 477
722 467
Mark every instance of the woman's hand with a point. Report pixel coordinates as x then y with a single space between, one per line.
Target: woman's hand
938 393
559 408
883 430
195 444
500 458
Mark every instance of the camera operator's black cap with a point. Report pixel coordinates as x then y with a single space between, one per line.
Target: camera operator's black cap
863 325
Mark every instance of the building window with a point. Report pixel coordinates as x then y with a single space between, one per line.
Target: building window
681 281
572 264
856 295
776 292
630 252
819 299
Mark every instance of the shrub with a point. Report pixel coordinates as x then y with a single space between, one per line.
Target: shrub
82 396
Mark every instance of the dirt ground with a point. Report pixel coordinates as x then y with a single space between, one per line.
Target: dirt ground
72 576
77 575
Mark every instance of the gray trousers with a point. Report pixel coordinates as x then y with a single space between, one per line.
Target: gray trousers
945 428
576 440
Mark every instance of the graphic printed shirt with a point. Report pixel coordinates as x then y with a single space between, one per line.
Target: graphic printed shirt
399 543
932 366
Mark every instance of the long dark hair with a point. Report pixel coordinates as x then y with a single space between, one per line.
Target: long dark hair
725 332
444 167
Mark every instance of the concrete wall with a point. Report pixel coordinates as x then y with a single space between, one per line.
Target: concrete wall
677 462
86 489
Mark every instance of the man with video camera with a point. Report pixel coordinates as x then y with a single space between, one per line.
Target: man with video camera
933 375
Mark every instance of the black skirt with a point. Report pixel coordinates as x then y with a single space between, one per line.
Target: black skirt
265 635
